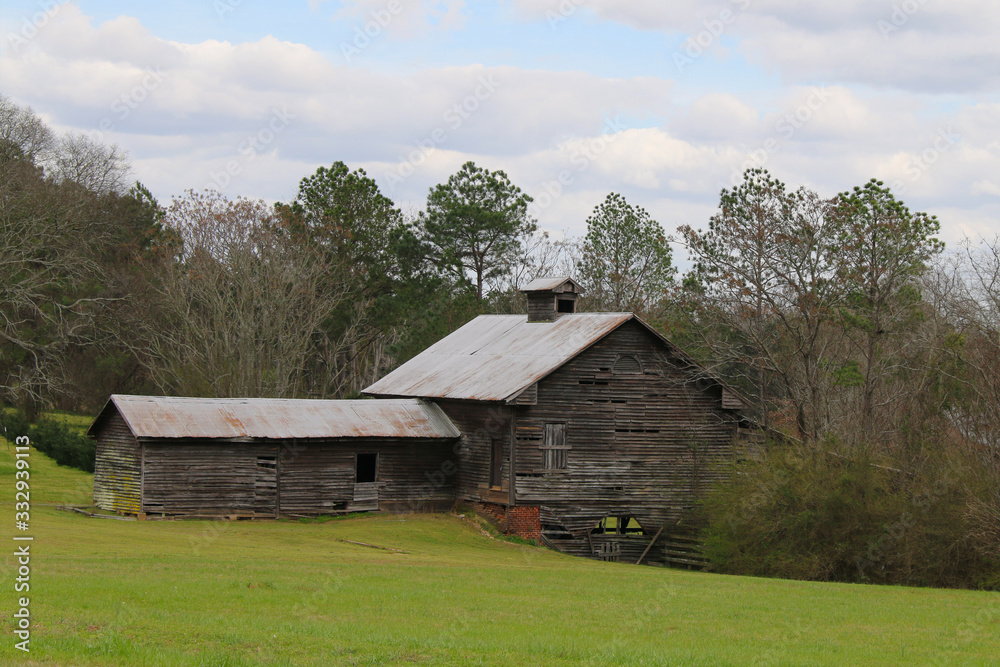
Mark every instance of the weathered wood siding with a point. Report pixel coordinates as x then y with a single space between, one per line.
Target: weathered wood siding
118 467
643 441
481 424
267 478
412 475
316 478
211 478
541 307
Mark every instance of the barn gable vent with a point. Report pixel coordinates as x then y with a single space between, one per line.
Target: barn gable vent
627 364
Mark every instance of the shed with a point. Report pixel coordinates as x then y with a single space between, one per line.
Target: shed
258 457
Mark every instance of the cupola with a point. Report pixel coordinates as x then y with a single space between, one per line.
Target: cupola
550 298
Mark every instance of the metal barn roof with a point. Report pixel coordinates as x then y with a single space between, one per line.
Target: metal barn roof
236 418
493 357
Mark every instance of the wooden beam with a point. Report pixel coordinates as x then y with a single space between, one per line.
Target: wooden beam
549 544
649 546
512 464
373 546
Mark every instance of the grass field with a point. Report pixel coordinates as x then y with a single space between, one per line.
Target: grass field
109 592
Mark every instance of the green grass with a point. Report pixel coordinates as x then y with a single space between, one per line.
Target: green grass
290 593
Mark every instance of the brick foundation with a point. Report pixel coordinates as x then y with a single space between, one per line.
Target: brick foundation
524 521
521 521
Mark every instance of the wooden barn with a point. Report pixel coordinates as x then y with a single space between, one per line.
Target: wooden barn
264 457
590 431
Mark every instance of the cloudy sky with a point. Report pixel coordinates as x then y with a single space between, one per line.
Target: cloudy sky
665 102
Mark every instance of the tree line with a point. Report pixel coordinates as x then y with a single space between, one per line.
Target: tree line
866 349
107 290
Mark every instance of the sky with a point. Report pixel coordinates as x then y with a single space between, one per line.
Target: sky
666 103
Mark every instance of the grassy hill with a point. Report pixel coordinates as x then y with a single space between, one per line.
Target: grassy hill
109 592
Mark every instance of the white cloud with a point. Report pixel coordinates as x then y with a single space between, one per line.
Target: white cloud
716 116
916 45
568 136
403 18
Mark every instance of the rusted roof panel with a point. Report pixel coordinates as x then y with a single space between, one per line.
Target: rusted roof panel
495 356
175 417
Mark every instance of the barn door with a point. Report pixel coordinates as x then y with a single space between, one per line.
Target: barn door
365 484
265 496
610 551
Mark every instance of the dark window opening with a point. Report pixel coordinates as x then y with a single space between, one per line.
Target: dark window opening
496 463
269 462
366 468
566 306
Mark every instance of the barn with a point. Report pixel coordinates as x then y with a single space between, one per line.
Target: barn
589 431
257 457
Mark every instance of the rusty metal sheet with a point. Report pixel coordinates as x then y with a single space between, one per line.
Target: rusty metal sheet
495 356
177 417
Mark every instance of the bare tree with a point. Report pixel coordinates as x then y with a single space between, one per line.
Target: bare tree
966 291
49 262
23 135
537 256
98 167
241 305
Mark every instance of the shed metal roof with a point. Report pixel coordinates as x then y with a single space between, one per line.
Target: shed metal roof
238 418
494 357
546 284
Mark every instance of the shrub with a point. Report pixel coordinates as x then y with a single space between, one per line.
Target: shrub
826 512
66 445
13 423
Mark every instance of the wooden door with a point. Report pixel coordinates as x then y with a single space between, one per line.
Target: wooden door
496 464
